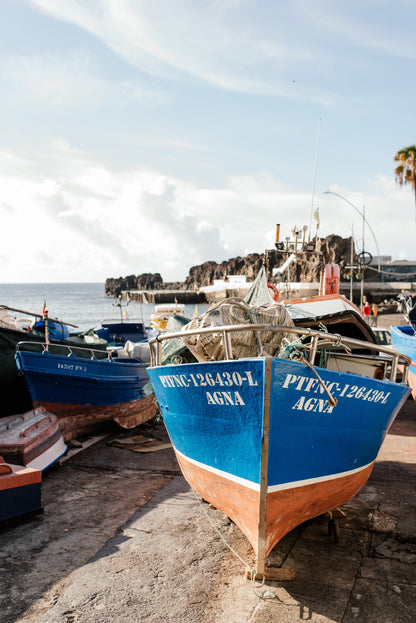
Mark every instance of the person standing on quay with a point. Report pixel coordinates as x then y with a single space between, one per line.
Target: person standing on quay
374 311
367 311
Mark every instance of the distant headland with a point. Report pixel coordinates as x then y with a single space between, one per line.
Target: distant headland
334 249
381 281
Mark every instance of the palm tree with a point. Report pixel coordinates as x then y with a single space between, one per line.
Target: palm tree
405 172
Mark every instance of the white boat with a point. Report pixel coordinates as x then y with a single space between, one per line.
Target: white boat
162 312
234 285
32 439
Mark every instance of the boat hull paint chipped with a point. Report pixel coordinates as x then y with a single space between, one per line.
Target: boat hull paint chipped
83 393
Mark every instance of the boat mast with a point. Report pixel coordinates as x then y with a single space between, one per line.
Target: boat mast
314 179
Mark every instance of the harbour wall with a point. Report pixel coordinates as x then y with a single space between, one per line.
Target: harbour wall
376 292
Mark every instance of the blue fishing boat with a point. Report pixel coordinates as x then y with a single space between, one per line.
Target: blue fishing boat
272 424
17 325
83 392
117 333
403 338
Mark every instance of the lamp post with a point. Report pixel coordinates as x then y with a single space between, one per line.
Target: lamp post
351 260
362 214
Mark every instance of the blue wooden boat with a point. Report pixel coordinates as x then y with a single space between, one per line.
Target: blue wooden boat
279 429
117 333
83 392
14 392
403 338
20 490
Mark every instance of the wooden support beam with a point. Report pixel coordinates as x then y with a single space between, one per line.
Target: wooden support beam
276 574
262 525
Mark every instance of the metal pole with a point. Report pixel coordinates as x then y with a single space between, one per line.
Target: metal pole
362 266
314 178
331 192
351 262
45 317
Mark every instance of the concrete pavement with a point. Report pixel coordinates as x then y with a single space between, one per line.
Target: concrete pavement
123 539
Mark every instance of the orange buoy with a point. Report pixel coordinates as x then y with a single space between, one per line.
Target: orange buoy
274 291
331 282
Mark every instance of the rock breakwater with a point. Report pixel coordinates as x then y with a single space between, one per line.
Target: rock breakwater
333 249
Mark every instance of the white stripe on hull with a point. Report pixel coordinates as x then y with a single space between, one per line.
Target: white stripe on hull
273 488
50 455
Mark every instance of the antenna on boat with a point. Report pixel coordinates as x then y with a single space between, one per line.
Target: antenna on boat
120 305
314 178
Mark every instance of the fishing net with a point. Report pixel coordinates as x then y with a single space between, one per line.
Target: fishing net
175 350
6 320
210 346
259 293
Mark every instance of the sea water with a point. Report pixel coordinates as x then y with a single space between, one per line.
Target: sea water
80 304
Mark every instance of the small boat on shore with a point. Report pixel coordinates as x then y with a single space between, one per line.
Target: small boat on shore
118 332
162 312
31 439
233 286
20 490
18 325
85 391
404 340
403 337
278 415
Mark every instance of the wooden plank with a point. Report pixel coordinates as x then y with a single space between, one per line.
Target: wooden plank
261 548
85 444
277 574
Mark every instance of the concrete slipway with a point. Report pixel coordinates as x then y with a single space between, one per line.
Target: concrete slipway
123 539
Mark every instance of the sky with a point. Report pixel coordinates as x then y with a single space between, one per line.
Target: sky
144 136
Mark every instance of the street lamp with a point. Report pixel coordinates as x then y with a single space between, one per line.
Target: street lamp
362 214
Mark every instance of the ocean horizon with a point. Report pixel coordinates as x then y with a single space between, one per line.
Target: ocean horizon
83 304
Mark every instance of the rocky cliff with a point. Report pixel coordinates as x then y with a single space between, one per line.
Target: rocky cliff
332 249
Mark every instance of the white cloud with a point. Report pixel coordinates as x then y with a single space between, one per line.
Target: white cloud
71 80
366 25
219 43
73 219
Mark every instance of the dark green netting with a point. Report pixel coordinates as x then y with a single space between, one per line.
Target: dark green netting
174 350
259 292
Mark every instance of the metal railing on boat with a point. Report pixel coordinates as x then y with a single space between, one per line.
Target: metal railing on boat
60 349
40 316
318 339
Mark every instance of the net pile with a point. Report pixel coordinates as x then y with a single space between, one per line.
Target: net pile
210 346
174 350
259 292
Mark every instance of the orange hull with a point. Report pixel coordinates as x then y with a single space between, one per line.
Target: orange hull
286 508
